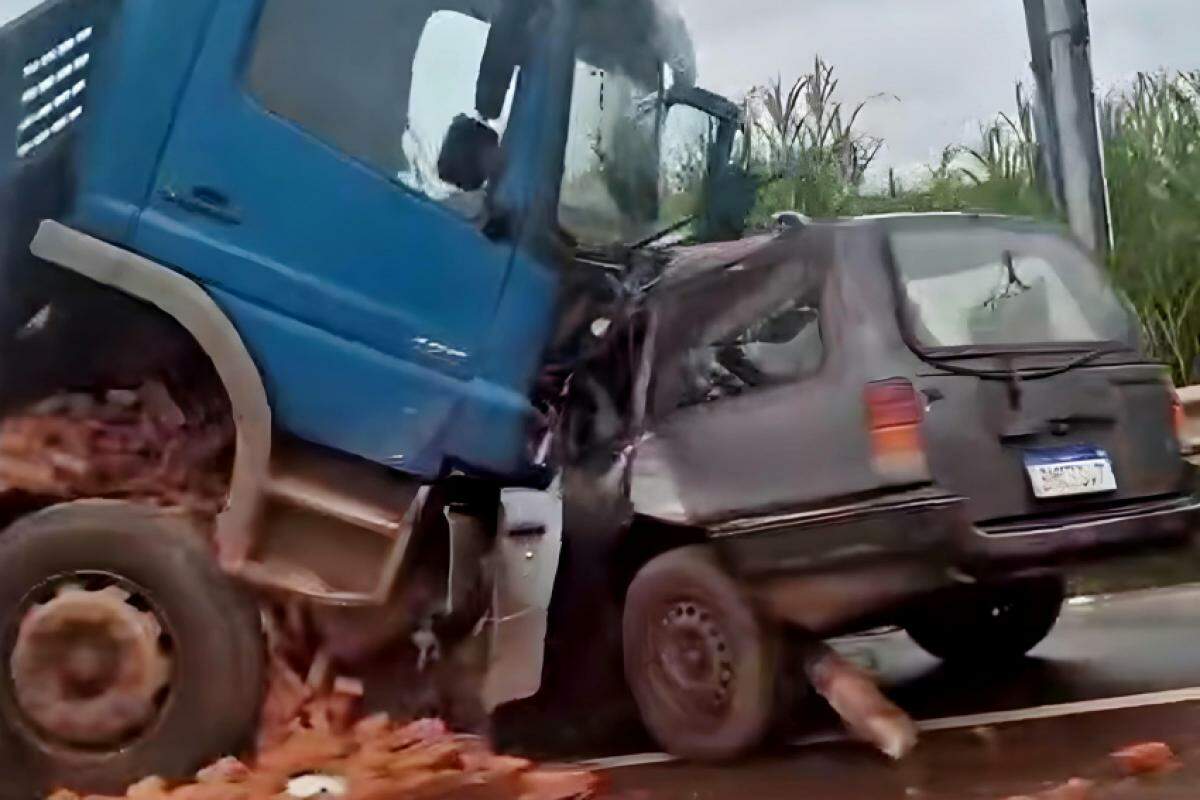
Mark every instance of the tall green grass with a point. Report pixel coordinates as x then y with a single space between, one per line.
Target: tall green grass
1151 132
806 145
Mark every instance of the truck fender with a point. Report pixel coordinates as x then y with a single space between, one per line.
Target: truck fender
184 300
528 547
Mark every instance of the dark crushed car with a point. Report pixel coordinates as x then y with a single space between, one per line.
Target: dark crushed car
914 420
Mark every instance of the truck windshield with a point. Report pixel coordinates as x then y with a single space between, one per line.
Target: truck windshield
983 284
633 165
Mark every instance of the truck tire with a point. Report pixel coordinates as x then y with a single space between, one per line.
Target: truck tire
701 663
986 623
126 651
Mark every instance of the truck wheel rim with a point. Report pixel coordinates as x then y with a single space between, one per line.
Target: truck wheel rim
694 663
91 663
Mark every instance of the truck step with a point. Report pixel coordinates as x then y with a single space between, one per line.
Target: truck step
333 528
344 488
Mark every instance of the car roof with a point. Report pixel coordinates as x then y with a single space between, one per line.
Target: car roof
942 219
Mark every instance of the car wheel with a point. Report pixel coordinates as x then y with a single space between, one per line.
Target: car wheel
988 622
126 651
701 664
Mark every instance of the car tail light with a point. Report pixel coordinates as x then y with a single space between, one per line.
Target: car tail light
894 415
1179 417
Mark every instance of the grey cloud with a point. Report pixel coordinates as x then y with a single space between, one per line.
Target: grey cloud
951 63
10 9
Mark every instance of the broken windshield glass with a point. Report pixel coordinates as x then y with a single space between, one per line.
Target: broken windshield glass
640 146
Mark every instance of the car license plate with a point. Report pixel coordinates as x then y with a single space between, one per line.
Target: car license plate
1067 471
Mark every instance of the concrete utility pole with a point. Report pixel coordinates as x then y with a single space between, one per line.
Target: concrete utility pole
1068 129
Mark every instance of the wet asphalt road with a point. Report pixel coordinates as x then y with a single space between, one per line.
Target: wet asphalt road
1137 643
1126 644
998 762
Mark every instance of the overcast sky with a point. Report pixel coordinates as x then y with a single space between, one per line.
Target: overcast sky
937 66
11 8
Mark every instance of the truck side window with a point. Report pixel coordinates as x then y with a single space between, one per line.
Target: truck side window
782 347
384 82
445 75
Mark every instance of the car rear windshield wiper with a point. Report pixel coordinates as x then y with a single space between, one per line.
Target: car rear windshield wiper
946 364
977 351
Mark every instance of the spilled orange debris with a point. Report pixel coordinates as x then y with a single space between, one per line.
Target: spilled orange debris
1145 758
1074 789
375 759
857 699
145 444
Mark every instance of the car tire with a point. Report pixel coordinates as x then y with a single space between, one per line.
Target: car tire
701 663
988 622
211 644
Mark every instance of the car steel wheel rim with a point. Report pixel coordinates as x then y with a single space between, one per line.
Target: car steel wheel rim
91 663
692 662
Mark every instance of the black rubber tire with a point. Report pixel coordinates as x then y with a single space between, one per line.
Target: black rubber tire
218 663
694 574
988 622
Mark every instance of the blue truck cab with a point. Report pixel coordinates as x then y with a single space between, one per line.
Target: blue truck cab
260 149
362 219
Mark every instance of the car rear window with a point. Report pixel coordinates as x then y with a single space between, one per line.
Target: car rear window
980 284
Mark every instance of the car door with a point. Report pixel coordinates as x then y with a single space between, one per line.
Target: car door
300 187
756 401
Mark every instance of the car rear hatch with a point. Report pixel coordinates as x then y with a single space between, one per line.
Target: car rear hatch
1039 402
1091 437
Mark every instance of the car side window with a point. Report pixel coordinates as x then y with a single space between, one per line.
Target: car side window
392 84
783 346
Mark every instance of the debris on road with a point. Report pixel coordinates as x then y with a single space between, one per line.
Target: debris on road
853 694
376 759
307 786
1145 758
1074 789
986 734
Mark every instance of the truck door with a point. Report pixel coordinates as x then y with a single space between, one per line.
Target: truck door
300 186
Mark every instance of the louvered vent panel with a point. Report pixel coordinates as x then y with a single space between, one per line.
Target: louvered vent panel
54 86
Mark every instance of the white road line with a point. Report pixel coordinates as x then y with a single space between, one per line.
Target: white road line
624 762
1188 695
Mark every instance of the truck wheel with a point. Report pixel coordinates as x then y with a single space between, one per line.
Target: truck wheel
126 651
701 664
988 622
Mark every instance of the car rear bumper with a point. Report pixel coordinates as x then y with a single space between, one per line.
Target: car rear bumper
1083 537
932 527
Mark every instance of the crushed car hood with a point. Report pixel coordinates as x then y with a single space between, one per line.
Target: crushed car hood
688 261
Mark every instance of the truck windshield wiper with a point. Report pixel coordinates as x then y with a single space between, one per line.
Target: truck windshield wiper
654 237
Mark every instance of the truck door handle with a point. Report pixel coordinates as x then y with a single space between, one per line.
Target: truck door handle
204 200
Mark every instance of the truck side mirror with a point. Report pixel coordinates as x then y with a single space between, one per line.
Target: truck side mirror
470 154
710 103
